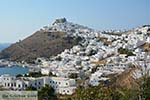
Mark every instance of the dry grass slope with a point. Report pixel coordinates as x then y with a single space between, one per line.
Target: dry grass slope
40 44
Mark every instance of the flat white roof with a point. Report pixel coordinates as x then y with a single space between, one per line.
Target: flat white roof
59 78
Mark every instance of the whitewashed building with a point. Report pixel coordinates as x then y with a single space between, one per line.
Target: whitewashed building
61 85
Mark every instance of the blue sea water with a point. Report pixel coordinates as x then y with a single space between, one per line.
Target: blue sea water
14 70
4 45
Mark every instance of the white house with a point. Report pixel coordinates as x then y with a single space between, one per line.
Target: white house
61 85
45 71
11 82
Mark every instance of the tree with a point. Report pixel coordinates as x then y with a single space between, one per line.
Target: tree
47 93
145 81
77 39
31 88
125 51
73 75
59 58
146 89
19 75
94 69
51 74
34 74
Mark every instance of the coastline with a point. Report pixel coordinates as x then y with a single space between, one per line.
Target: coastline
6 63
13 70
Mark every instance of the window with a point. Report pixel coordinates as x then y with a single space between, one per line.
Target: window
35 84
50 81
4 78
15 84
18 85
59 82
39 83
66 83
8 84
12 84
5 84
68 91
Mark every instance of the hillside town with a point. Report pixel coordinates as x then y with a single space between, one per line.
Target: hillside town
97 55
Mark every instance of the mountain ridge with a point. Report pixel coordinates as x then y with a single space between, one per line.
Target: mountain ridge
51 40
42 43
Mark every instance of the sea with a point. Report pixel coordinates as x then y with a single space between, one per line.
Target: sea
13 70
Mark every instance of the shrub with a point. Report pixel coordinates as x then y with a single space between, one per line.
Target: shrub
73 75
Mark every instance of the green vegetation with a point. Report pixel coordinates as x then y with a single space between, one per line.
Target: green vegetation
94 69
77 39
59 58
50 74
31 88
112 91
73 75
47 93
105 93
34 74
146 89
19 75
125 51
92 52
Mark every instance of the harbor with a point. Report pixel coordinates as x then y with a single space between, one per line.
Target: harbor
13 70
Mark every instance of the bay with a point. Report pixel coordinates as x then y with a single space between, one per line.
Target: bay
13 70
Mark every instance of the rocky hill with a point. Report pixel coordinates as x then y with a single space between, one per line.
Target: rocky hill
60 35
43 43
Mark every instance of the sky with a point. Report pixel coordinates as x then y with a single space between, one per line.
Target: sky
21 18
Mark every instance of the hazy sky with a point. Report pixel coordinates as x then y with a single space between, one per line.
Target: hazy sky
20 18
